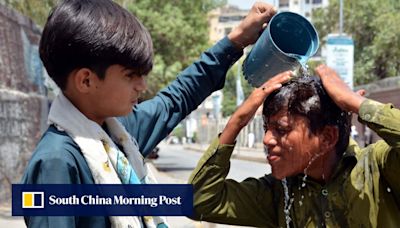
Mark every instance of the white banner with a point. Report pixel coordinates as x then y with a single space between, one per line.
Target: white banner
340 56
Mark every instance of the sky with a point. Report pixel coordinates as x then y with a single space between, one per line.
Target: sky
246 4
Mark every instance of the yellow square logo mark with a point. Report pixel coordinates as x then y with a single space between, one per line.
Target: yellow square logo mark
32 199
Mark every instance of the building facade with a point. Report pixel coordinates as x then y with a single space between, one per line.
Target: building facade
302 7
222 20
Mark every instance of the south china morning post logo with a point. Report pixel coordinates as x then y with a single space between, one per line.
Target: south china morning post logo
117 200
32 200
102 200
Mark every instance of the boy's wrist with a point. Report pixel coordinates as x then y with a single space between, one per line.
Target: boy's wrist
236 38
354 103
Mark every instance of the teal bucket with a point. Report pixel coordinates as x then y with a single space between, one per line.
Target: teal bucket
287 43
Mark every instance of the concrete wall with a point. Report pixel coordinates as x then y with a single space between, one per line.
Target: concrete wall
23 104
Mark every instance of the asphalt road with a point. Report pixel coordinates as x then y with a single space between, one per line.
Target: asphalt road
178 162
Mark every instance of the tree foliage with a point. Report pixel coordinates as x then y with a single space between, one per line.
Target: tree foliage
179 30
375 28
37 10
229 91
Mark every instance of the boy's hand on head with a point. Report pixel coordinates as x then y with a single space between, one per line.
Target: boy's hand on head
338 90
257 97
252 25
246 111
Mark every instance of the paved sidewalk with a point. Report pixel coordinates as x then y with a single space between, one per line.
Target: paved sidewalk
6 220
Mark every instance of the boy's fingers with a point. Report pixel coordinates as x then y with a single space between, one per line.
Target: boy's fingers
322 70
275 82
283 77
269 89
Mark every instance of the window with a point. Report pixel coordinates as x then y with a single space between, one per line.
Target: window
230 18
283 3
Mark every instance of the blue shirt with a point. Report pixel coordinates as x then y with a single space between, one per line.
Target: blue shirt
58 159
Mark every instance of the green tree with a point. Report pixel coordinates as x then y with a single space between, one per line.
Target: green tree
375 28
229 90
180 33
37 10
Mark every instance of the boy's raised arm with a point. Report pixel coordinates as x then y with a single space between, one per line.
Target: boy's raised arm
153 120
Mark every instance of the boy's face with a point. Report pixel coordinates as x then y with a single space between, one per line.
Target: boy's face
291 145
117 92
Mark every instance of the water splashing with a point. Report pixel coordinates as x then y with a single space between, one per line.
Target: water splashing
302 71
301 200
311 161
303 185
288 203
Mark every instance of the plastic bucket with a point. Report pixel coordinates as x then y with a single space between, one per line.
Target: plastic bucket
287 43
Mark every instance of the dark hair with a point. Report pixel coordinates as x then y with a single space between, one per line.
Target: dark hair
306 96
93 34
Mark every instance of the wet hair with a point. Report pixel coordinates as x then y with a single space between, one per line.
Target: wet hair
306 96
93 34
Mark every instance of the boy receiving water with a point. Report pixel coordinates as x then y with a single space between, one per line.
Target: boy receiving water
318 177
